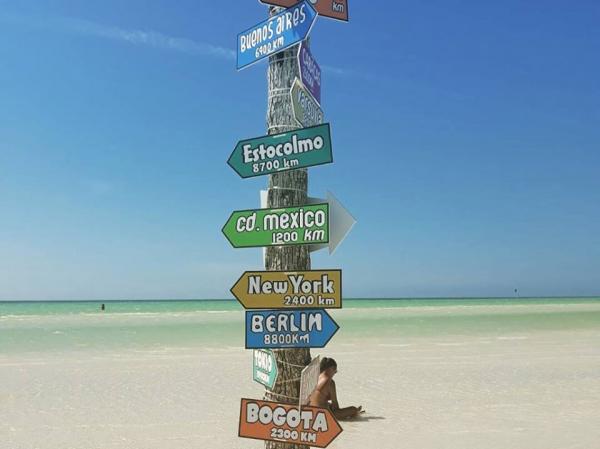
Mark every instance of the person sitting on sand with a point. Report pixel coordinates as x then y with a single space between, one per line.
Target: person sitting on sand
325 394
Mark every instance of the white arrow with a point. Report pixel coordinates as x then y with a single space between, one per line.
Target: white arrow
340 222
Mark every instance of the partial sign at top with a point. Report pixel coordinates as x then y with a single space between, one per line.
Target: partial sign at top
334 9
275 34
310 72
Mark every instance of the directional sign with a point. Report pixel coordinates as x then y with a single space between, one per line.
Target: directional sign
310 72
340 223
270 421
277 227
309 378
334 9
264 368
292 150
272 329
275 34
293 289
307 111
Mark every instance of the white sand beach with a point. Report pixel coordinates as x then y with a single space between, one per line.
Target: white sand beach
537 389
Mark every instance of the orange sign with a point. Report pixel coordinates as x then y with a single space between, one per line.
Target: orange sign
334 9
270 421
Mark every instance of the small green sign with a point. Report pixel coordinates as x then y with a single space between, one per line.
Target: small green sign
307 111
301 225
301 148
264 368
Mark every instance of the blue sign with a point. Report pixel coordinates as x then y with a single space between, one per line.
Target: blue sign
272 329
275 34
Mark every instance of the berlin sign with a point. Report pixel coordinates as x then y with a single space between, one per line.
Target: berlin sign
264 367
301 148
274 329
294 289
307 111
270 421
275 34
334 9
310 72
277 227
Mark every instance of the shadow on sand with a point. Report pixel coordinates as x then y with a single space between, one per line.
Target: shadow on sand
363 418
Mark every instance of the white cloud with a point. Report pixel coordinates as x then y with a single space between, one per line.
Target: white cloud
146 38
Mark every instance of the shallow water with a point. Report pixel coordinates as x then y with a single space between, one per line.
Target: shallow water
67 326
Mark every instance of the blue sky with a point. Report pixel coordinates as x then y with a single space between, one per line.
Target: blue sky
466 144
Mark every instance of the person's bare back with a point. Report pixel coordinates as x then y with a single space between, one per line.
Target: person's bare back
325 394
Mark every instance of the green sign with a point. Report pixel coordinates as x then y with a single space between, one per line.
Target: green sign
281 152
264 368
307 111
301 225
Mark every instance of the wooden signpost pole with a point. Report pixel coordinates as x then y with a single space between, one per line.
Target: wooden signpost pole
285 189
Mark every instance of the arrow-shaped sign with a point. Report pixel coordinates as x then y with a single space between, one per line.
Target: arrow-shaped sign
292 150
307 111
264 367
340 223
273 329
334 9
270 421
310 72
275 34
316 289
278 227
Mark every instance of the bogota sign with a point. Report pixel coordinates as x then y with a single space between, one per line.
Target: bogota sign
292 150
270 421
275 34
275 329
296 289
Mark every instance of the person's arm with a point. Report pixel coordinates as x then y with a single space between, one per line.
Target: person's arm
334 401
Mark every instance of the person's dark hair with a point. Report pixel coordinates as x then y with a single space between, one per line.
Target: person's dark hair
327 362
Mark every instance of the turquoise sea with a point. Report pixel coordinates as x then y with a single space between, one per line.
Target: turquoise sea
81 325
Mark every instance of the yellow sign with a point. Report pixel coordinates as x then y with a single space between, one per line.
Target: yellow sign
289 289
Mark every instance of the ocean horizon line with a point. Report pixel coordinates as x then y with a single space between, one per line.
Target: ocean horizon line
373 298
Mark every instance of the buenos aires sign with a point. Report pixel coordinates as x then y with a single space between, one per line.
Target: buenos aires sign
307 111
275 329
270 421
310 72
292 150
277 227
334 9
275 34
264 367
295 289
